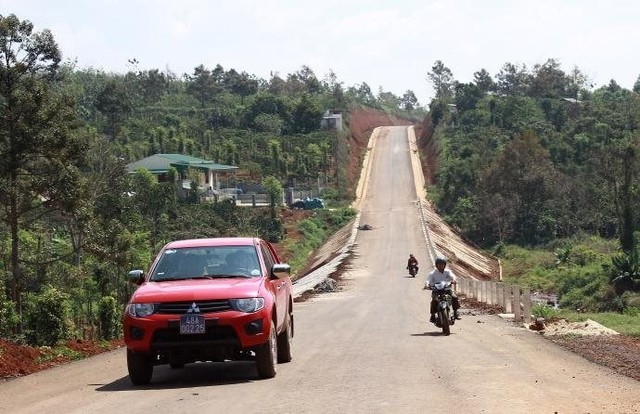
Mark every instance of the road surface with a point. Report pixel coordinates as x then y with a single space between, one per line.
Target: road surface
366 348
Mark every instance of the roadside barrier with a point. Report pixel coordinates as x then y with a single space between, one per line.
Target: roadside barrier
512 299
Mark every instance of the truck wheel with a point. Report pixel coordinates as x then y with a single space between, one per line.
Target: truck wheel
140 368
444 320
284 341
267 355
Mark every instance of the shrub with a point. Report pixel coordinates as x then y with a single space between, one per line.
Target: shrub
8 317
543 311
338 217
47 317
109 318
312 232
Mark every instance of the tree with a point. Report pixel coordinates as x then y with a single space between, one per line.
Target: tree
548 80
38 153
202 85
524 178
266 103
577 83
441 78
483 81
88 83
241 84
114 103
467 96
621 173
306 115
362 94
153 84
273 229
409 101
311 84
273 187
335 89
513 79
153 201
277 85
268 123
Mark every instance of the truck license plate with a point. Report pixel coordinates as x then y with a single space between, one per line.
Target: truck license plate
192 324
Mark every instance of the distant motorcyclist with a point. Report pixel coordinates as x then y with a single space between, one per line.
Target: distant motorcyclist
440 274
412 261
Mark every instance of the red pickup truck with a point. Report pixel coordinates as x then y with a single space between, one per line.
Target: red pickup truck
210 300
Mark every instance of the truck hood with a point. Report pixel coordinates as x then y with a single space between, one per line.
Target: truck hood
197 289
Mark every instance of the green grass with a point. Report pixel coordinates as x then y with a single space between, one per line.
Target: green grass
543 311
55 352
576 269
316 230
627 323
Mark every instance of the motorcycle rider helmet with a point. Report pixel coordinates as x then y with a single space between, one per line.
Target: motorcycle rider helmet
441 260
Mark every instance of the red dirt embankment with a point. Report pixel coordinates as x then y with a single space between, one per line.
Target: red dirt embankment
18 360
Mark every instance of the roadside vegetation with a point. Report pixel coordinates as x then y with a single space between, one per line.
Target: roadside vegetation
73 222
542 170
574 273
625 323
315 230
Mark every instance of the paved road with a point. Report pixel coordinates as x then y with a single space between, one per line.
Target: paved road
364 349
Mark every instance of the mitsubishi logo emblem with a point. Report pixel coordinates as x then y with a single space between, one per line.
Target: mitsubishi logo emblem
194 308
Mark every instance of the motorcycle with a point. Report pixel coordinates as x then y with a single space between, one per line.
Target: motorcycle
444 316
413 270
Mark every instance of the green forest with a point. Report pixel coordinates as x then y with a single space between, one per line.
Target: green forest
530 163
542 169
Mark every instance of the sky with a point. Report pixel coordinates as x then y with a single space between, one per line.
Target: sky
389 45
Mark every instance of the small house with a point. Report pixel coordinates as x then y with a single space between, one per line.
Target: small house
212 175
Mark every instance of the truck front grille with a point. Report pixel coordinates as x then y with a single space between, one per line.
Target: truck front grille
203 306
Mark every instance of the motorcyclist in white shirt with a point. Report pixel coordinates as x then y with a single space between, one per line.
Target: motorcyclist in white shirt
440 274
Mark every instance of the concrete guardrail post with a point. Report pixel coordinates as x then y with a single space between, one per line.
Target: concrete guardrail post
508 300
517 303
526 305
494 293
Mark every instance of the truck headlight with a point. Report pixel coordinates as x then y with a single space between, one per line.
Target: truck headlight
140 310
247 305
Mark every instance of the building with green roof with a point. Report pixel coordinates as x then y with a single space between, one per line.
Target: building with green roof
159 165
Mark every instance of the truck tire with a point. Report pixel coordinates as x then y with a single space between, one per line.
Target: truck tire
140 368
284 341
267 355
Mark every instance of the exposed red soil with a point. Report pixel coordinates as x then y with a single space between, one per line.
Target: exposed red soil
619 352
18 360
